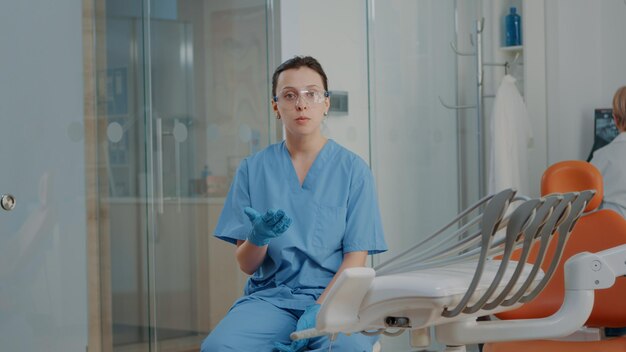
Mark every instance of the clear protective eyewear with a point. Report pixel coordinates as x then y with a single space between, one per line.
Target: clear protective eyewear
310 96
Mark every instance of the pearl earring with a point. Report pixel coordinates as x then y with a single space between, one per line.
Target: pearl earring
325 113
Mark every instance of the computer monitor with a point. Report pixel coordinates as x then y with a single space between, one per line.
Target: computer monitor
604 129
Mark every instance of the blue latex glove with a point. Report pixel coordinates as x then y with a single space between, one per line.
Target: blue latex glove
268 226
306 321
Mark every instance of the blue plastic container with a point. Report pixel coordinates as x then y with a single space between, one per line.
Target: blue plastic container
513 28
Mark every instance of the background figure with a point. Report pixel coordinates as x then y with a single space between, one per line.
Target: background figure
611 159
300 212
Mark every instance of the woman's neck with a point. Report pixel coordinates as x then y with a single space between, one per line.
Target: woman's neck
305 146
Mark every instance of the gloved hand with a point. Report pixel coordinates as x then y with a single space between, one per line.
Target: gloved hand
306 321
266 227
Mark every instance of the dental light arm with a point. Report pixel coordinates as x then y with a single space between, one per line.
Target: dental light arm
444 247
418 256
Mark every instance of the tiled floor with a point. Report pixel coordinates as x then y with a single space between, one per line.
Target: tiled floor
187 344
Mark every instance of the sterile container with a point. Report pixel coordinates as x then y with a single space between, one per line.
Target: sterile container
513 28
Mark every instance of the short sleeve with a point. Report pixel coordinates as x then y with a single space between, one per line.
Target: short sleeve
233 225
364 231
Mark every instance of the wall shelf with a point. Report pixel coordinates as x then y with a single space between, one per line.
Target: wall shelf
516 48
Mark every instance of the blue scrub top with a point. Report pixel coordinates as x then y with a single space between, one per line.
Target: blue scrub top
335 211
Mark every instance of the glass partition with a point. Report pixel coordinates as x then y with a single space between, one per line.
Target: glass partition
43 191
185 88
415 140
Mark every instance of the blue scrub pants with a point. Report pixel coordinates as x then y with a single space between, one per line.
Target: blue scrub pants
253 325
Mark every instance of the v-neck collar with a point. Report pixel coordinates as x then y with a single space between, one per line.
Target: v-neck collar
314 170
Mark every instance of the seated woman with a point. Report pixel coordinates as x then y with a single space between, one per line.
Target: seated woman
611 160
326 220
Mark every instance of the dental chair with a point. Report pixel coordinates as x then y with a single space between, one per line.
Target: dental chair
596 230
466 270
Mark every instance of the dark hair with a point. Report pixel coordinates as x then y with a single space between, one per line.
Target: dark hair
619 108
297 62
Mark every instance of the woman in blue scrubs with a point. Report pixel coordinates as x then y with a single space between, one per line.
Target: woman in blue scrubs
310 212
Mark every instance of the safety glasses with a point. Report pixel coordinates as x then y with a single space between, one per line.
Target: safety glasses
310 96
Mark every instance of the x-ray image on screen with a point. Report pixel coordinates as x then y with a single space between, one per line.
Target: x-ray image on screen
604 129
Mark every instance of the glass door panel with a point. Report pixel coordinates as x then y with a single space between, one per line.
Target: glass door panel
43 153
184 98
175 251
210 108
123 175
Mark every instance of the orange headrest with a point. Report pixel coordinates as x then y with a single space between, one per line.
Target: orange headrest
573 176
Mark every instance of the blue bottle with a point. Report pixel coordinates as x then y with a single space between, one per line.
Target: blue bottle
513 24
205 172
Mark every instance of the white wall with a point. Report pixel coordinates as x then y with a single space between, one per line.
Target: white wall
573 63
535 89
414 137
585 50
334 32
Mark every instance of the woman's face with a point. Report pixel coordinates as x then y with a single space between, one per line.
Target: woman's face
301 101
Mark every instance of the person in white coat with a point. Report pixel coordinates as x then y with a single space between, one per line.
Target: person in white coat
611 159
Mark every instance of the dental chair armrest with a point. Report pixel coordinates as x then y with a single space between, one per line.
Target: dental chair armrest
571 316
595 271
584 273
341 305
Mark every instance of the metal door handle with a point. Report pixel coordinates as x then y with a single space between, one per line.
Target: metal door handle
159 161
7 202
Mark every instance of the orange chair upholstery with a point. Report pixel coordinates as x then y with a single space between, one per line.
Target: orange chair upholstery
611 345
573 176
595 231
